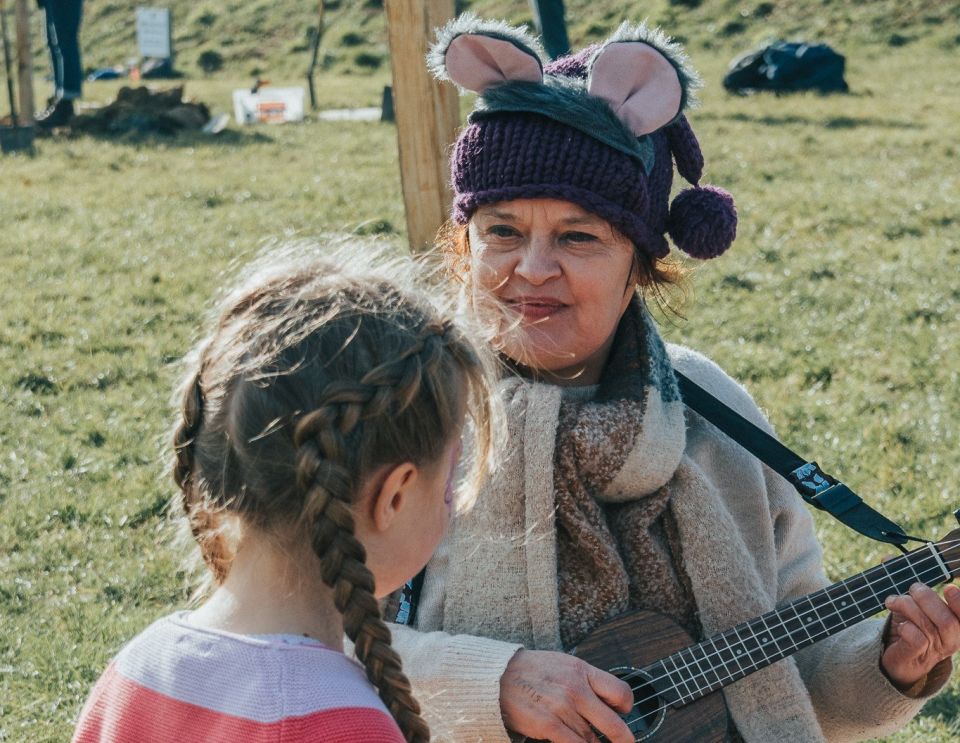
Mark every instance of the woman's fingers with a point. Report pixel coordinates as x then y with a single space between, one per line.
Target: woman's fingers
580 729
610 696
946 635
612 690
908 610
951 594
563 733
925 629
553 696
547 727
933 617
604 720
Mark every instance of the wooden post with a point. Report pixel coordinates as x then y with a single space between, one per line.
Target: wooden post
24 64
427 114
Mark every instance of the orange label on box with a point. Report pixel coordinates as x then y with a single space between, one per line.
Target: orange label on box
271 111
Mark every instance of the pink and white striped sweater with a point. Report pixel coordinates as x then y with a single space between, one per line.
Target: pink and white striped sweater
176 683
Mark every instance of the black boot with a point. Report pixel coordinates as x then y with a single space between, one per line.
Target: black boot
58 113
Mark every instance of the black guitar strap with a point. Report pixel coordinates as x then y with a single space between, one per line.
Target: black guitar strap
815 486
410 599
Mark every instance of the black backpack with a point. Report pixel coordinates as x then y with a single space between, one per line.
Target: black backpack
786 67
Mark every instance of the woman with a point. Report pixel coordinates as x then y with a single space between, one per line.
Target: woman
612 496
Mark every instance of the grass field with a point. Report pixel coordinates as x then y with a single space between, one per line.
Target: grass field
838 307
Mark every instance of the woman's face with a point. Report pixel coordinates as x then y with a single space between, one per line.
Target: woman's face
563 277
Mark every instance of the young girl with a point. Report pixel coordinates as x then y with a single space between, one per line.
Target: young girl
315 449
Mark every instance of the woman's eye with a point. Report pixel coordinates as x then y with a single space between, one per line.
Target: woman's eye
502 231
578 237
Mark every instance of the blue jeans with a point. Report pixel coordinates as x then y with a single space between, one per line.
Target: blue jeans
549 20
63 31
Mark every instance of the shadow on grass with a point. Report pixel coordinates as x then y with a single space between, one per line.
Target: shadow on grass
945 706
181 139
154 511
832 122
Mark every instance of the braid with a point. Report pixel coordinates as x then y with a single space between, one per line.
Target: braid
419 360
203 521
191 417
328 498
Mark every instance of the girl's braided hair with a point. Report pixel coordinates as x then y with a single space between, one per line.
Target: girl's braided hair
315 375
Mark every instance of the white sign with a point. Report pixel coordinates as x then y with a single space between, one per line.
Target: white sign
268 105
153 33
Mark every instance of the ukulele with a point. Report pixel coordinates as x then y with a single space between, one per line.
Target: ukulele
676 696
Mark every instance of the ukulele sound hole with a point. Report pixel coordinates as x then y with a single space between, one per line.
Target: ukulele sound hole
648 711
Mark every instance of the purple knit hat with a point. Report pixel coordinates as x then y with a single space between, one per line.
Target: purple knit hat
600 128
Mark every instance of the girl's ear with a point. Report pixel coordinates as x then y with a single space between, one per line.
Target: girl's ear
392 495
639 83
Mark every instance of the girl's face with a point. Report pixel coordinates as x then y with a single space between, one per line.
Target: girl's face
563 277
398 550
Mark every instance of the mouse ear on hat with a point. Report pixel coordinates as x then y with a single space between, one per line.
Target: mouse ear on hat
643 76
476 54
638 82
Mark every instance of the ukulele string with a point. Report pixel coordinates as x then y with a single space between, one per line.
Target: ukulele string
886 574
920 571
816 637
824 633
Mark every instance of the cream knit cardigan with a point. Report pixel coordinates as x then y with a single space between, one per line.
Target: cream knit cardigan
748 545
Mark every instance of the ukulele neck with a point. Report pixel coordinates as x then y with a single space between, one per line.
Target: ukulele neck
701 669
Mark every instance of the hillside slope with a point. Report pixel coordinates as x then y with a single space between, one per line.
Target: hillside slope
272 37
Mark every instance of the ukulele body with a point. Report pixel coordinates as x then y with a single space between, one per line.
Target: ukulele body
637 639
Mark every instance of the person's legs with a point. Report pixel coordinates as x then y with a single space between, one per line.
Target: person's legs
63 31
56 59
549 20
67 15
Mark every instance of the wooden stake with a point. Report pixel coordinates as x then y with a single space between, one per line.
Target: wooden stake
24 64
427 113
8 64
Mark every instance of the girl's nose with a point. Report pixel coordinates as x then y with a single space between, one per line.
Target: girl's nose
538 263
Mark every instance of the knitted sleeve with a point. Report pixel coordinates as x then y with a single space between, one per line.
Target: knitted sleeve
455 678
852 698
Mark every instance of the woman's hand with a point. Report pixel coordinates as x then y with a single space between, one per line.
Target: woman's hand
923 630
556 697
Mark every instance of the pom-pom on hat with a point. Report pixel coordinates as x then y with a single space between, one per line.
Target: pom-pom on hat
601 128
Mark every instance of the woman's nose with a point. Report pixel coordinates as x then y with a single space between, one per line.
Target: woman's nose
537 263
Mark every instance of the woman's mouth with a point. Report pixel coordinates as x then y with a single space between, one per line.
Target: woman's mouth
534 309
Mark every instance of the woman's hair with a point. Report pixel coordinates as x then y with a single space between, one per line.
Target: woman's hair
657 277
316 373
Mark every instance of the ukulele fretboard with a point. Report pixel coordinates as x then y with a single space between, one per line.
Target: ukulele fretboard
724 658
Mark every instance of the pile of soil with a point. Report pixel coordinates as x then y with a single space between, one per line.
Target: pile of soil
145 111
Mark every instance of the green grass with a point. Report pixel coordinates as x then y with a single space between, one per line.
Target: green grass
837 307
